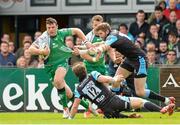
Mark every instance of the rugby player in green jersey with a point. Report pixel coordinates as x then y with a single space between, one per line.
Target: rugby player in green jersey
51 46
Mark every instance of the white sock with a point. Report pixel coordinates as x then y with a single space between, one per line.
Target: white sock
166 101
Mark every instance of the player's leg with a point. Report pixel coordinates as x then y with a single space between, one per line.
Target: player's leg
140 76
124 70
155 96
63 90
149 93
136 103
139 84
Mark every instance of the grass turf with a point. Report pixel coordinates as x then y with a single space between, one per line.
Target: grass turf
56 118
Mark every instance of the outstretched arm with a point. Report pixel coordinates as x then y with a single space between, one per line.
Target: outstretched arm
106 79
74 108
81 35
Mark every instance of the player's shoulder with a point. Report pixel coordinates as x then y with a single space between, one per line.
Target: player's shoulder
64 29
95 74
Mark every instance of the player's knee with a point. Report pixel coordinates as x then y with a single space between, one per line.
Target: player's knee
140 93
58 83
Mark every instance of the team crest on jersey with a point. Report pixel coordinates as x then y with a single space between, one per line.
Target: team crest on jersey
54 45
65 49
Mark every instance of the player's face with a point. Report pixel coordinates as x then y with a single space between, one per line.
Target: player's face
102 34
95 24
52 29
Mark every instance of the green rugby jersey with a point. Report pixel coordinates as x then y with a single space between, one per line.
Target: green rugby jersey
99 65
59 52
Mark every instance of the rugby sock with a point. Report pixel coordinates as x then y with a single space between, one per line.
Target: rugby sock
151 106
63 97
117 91
72 98
85 104
155 96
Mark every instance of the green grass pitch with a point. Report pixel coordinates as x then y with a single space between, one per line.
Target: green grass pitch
56 118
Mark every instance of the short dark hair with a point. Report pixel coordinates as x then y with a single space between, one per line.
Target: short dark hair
51 20
163 42
172 51
171 33
158 8
140 11
123 25
27 42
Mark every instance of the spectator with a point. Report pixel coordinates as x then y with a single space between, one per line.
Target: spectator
172 7
161 4
162 55
6 58
5 38
20 51
21 62
11 48
37 34
27 37
178 5
31 62
150 47
178 28
140 41
173 43
123 28
171 58
151 57
139 26
153 36
171 26
159 20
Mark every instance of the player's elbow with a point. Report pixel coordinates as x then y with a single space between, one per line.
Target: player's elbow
76 31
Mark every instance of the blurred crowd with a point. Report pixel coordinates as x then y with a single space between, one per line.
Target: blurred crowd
158 36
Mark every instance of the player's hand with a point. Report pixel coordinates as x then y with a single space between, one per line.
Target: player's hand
45 51
134 115
75 51
118 78
88 44
99 53
92 51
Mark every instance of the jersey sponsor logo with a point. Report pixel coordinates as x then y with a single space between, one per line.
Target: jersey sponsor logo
65 49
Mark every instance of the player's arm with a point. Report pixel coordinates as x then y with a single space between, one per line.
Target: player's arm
77 32
111 53
106 46
74 108
106 79
91 58
34 50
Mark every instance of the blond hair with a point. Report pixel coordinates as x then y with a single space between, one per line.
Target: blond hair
104 27
79 70
98 18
